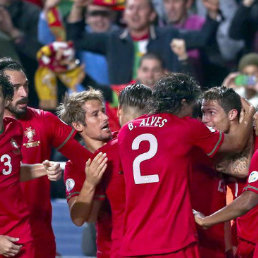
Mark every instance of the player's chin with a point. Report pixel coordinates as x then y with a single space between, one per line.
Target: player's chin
106 135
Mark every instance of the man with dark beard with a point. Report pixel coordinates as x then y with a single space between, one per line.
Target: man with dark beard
42 131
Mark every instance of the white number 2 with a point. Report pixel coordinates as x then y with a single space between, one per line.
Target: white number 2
138 178
6 159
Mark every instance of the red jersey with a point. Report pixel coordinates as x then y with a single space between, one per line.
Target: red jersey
154 152
42 131
208 194
74 177
247 224
14 214
114 188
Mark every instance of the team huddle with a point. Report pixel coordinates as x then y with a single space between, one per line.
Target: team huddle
149 186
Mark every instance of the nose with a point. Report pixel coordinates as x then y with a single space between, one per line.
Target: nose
23 91
205 118
104 116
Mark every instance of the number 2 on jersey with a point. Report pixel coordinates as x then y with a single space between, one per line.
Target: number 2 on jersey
138 178
6 159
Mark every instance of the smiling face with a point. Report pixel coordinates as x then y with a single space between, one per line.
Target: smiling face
96 121
98 18
150 71
138 15
213 115
19 104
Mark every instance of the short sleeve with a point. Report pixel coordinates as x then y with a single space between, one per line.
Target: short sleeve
74 178
252 181
208 139
59 133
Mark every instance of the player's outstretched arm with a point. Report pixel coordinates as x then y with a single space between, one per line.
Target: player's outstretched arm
48 168
81 205
241 205
8 248
236 139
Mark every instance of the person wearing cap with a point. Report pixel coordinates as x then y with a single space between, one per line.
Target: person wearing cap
245 81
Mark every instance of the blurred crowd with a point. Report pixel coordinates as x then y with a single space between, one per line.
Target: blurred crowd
67 46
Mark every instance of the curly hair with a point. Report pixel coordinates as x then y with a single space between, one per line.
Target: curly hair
169 92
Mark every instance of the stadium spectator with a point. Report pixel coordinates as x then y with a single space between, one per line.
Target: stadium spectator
124 49
244 25
98 18
245 81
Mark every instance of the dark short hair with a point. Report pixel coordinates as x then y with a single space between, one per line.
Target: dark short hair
135 95
152 56
150 3
169 92
227 98
7 63
6 86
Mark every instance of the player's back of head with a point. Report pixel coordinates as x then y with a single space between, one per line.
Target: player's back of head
6 86
135 96
169 92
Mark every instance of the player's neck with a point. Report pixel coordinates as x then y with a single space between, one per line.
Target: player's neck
8 113
15 116
92 145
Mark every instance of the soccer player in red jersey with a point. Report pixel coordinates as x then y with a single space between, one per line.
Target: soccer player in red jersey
86 113
221 109
245 207
132 104
155 151
221 112
42 131
15 230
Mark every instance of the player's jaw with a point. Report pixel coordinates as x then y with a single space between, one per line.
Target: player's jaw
19 107
105 131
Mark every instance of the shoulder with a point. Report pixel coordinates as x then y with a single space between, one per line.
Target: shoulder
11 124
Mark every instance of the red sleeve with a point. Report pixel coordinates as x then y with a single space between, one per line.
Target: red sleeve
62 138
208 139
58 131
74 178
252 181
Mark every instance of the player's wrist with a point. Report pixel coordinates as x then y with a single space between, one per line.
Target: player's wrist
90 184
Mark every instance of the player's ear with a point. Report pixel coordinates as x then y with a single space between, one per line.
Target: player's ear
77 126
7 102
232 114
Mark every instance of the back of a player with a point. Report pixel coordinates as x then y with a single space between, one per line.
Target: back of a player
14 214
158 217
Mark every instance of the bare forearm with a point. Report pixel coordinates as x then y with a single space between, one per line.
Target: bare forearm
76 14
29 172
81 207
245 202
